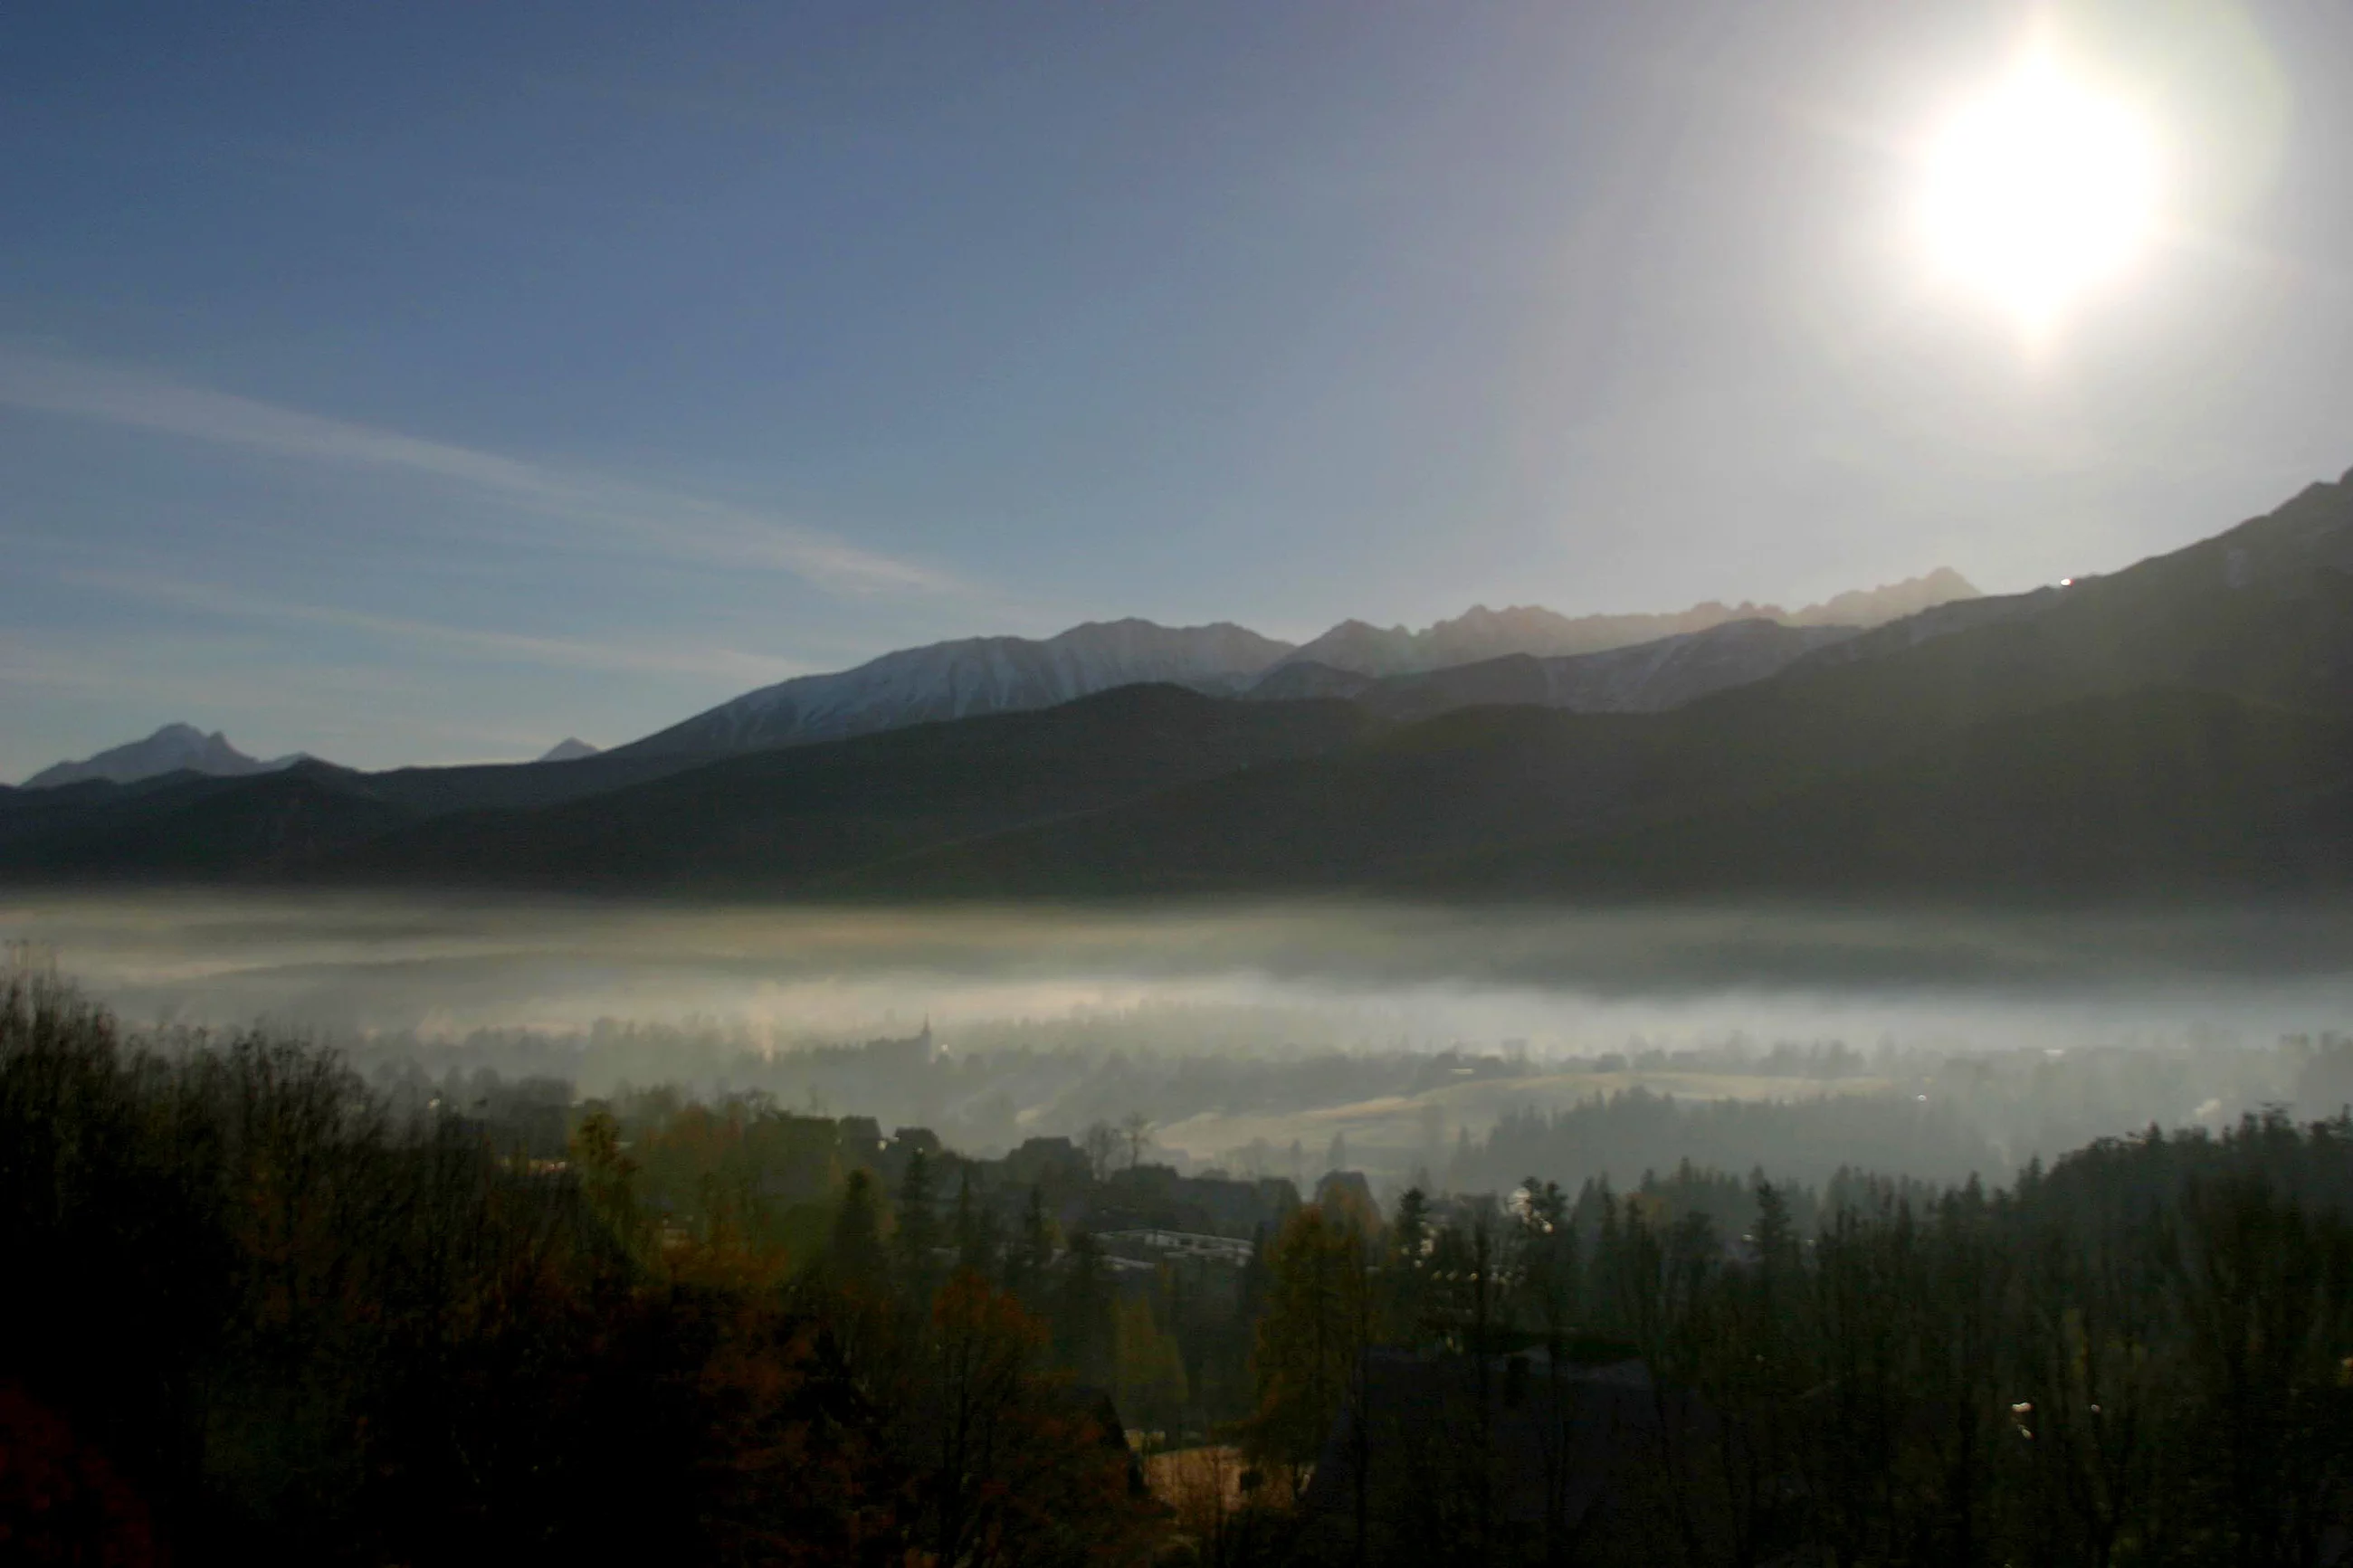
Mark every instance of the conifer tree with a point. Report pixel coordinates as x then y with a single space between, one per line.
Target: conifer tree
918 1229
854 1255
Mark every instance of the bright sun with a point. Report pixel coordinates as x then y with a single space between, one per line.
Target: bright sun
2039 191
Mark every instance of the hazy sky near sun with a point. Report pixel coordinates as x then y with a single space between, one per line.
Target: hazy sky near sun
429 382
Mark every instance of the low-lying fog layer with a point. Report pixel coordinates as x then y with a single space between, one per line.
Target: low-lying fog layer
1208 1021
1562 981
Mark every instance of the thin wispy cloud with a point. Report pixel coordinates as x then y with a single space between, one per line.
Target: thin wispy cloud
665 521
560 653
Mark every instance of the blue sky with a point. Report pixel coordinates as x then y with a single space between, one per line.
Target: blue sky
426 383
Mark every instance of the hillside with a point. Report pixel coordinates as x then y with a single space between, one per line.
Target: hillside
784 820
278 823
2151 793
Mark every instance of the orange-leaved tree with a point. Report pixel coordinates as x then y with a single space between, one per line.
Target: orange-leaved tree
1009 1464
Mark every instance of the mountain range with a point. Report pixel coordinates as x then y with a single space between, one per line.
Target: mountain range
2182 727
967 677
1482 633
1648 677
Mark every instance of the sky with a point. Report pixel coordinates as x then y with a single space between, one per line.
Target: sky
429 383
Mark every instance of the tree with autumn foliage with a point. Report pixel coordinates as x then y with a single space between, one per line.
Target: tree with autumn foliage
1008 1463
1317 1323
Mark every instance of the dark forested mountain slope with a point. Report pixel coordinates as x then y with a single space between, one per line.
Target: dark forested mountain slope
2264 611
782 820
1427 792
765 822
191 825
517 786
2151 791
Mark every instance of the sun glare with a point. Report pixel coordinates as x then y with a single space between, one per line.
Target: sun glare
2039 191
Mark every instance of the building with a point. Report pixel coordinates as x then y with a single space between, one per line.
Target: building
1172 1245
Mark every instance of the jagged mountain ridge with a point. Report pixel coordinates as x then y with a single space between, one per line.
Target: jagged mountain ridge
1481 633
974 675
1648 677
174 748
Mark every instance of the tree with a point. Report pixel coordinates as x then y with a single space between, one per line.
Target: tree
1550 1282
1009 1466
918 1229
1310 1340
1099 1142
1149 1378
1405 1305
983 1346
1137 1128
973 1232
1082 1312
1028 1260
2265 1289
607 1175
854 1256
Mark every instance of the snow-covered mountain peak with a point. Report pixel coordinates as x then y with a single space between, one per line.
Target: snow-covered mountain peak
973 676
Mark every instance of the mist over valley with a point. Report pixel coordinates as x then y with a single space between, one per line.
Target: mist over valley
875 906
1272 1036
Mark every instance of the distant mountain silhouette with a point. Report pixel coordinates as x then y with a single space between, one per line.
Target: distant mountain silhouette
174 748
1648 677
1482 633
568 750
